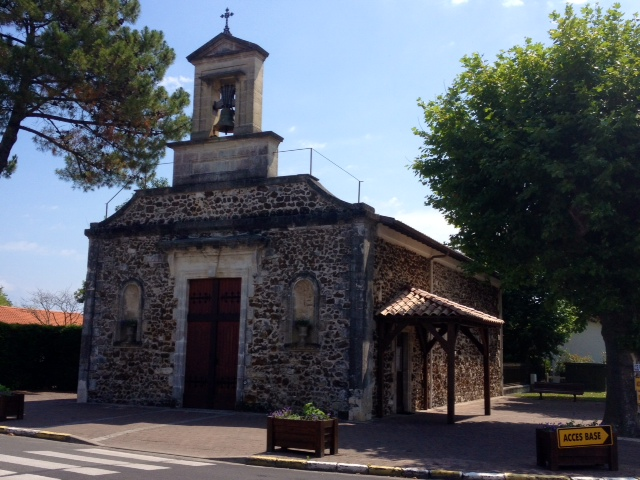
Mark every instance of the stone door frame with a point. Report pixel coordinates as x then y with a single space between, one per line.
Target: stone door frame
209 262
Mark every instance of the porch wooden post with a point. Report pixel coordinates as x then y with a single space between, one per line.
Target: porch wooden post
425 387
451 373
487 378
422 337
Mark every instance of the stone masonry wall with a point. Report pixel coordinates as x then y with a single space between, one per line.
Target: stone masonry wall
466 290
138 373
398 268
255 201
276 375
279 374
482 296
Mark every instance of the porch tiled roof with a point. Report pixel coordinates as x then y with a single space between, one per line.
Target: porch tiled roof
420 303
23 316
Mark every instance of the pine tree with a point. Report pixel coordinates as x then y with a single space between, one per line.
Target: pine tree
85 85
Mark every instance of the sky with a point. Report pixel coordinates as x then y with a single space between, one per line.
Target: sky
343 77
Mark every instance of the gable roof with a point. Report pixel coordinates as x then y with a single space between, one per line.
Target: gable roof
26 316
225 44
420 304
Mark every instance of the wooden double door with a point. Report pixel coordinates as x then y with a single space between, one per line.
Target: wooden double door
213 330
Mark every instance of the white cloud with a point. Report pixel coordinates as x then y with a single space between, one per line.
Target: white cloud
173 83
6 286
512 3
49 208
314 145
459 2
577 2
392 203
21 246
428 221
33 247
292 129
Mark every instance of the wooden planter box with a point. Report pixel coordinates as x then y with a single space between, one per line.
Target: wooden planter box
551 454
316 435
12 406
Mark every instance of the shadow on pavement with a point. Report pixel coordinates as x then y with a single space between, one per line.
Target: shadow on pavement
501 442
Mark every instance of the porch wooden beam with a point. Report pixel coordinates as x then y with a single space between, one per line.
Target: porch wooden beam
395 331
469 334
437 335
431 343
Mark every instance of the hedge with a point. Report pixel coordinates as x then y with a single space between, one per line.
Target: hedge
39 357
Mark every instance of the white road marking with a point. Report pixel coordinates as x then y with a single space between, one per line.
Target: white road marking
92 472
28 476
32 462
147 458
6 472
101 461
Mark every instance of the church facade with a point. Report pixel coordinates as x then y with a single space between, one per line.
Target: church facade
237 288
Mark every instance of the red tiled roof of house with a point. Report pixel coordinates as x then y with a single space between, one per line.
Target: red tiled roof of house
24 316
420 303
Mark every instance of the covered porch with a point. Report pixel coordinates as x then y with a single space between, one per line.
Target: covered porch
436 320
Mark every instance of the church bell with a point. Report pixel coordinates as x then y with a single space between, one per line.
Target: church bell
225 119
225 122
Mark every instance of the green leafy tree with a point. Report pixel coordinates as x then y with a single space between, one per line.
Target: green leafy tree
537 325
85 85
534 157
4 300
80 295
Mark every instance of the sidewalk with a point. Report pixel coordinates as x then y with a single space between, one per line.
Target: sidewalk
503 442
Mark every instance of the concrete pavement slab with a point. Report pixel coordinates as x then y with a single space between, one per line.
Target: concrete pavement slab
502 443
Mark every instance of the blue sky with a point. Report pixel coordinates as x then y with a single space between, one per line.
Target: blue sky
342 77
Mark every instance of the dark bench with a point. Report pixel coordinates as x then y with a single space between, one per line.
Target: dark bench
564 388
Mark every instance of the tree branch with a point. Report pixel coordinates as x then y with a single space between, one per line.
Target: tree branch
47 138
13 39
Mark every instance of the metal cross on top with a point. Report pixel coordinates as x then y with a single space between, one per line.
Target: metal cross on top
226 16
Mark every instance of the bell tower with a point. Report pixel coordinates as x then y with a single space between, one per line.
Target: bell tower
227 141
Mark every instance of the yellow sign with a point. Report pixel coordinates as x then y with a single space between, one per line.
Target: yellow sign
637 384
584 436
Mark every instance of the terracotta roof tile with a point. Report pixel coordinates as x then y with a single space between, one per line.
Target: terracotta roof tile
420 303
23 316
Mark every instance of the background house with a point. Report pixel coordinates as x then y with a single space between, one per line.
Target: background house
27 316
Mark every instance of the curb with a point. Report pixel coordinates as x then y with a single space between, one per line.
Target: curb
43 434
406 472
349 468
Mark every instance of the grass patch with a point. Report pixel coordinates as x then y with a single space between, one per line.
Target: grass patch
587 397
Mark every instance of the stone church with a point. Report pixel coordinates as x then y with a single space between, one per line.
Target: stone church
236 288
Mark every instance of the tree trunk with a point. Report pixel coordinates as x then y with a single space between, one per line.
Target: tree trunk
621 408
9 139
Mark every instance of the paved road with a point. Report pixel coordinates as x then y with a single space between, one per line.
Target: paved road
35 459
501 442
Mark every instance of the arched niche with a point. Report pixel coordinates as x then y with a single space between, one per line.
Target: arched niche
129 327
303 322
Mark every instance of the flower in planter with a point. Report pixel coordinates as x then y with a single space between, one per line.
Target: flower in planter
309 412
552 427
